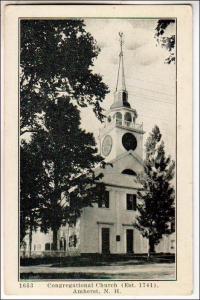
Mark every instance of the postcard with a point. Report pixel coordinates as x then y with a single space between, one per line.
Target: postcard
97 134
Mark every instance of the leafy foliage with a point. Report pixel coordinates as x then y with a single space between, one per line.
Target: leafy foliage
166 41
56 78
31 189
56 57
69 155
156 198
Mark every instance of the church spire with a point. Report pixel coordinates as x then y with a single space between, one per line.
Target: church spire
121 94
121 67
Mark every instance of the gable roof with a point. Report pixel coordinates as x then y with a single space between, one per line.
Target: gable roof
123 155
112 175
121 181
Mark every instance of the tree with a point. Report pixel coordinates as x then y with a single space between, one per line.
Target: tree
31 190
166 41
155 206
57 56
68 156
56 78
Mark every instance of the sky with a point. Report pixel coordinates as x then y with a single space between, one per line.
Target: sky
150 82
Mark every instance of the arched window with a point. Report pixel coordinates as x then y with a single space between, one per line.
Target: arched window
118 117
127 119
129 172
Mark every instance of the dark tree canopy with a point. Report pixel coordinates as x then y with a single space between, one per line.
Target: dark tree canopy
56 79
69 155
57 56
156 198
31 188
166 41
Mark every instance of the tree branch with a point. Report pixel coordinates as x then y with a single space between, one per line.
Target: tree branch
28 130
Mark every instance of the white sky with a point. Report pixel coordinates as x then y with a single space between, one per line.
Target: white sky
150 82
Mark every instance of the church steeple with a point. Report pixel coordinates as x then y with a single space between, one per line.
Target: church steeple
120 132
121 94
121 68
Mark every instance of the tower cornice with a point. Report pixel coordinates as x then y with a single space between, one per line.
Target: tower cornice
124 108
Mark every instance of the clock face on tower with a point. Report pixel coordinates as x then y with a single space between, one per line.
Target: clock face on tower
107 145
129 141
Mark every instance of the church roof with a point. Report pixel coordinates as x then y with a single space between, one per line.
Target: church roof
127 153
112 175
119 104
121 181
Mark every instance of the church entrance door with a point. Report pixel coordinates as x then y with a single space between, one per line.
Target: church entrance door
105 238
129 240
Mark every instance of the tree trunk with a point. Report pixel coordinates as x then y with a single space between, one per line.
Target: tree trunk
22 227
151 246
56 197
55 239
30 240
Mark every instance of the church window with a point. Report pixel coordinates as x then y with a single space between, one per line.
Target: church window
117 238
131 202
127 119
118 118
72 240
63 244
129 172
47 246
104 201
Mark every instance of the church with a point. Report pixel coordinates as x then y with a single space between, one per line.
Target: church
107 227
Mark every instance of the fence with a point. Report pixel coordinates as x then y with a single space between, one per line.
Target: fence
50 253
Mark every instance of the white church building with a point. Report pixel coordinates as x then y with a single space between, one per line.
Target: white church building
108 227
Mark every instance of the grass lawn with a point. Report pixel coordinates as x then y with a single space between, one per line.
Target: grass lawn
164 275
99 267
75 276
96 260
